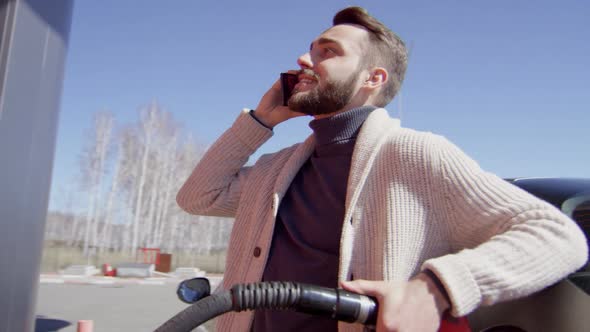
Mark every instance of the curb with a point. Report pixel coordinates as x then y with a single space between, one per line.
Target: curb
98 280
114 281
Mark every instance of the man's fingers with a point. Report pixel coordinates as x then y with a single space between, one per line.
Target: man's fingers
365 287
296 114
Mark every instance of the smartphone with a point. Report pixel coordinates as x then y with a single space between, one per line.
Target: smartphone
288 82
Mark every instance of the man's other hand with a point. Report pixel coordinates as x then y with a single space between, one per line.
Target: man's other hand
416 305
270 110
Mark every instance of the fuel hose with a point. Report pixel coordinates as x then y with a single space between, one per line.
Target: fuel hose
337 304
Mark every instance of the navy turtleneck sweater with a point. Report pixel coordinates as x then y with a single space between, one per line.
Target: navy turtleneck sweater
306 239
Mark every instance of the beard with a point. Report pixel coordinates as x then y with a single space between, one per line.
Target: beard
330 98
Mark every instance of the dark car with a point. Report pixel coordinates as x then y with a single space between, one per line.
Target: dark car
564 306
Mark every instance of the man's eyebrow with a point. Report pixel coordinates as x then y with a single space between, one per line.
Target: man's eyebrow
324 40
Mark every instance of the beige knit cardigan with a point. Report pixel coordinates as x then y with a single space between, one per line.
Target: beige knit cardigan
414 201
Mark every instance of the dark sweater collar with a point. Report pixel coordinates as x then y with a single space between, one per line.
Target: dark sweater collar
340 127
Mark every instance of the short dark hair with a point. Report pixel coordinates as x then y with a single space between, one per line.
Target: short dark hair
386 49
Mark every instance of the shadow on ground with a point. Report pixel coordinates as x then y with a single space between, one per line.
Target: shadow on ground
44 324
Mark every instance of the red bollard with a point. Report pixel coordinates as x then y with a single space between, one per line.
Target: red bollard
108 270
84 326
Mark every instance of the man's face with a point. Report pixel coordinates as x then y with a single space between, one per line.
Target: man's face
330 71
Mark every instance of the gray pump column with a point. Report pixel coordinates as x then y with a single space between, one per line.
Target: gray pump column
33 44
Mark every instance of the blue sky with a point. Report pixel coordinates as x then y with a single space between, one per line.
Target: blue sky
506 81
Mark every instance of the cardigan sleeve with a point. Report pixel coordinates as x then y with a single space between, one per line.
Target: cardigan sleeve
506 243
213 188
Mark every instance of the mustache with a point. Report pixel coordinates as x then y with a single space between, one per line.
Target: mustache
308 72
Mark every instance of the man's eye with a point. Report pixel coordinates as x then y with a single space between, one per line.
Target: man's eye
329 50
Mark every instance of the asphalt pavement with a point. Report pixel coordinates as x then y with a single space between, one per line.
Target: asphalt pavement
113 304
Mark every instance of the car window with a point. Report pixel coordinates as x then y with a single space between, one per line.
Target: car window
578 209
581 214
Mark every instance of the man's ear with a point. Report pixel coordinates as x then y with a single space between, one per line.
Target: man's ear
377 77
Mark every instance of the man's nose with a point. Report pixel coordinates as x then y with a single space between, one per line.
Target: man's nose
304 61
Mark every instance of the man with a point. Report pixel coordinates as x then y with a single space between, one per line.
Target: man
405 215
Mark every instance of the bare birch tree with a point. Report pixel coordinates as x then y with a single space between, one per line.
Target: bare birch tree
93 162
105 240
151 160
147 125
129 153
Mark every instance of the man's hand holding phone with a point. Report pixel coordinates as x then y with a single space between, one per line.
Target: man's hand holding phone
272 110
